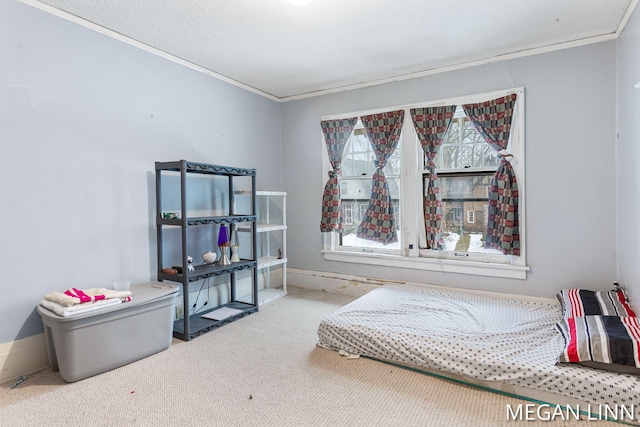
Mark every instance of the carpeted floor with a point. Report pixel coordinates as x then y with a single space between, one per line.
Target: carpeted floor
263 370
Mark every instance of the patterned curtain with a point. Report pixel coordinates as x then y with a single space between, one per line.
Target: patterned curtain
431 125
336 134
492 119
383 131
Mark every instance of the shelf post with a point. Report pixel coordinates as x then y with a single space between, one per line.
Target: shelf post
185 269
254 245
158 216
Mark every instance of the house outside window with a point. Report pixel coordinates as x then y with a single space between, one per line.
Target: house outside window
465 165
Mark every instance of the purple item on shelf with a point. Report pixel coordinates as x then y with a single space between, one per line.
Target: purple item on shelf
223 236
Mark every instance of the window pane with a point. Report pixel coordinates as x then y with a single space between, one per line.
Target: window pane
467 156
470 134
450 156
464 202
394 165
347 209
360 141
453 134
490 157
357 197
478 155
463 147
359 158
468 186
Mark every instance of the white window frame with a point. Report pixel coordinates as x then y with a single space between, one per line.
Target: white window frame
411 256
471 216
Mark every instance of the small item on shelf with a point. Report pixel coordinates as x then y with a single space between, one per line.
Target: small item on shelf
169 271
190 264
235 245
170 215
177 268
209 257
223 244
279 253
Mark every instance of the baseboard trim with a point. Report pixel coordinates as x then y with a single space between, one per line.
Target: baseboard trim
343 284
357 286
22 357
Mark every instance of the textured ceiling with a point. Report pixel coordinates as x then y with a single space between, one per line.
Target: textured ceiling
287 51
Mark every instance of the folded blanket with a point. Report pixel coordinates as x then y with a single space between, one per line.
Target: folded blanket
74 310
76 296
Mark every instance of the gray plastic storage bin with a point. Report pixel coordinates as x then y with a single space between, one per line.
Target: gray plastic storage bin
89 344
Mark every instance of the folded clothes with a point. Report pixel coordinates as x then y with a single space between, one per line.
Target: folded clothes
77 309
76 296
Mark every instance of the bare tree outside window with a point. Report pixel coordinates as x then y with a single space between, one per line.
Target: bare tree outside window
465 165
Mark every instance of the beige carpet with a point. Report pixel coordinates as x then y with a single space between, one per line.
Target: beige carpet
263 370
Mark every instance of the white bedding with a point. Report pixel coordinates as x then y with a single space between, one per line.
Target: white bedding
78 309
504 344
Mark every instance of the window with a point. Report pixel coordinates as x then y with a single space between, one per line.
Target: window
348 213
358 166
465 165
464 148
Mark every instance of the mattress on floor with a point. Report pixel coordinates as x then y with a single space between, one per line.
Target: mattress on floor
507 345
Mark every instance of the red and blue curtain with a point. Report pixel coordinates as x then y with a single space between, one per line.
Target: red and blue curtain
383 131
492 119
431 125
336 134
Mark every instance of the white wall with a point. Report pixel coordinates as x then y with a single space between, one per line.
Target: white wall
628 158
570 181
83 118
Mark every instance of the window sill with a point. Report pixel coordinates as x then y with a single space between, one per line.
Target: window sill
430 264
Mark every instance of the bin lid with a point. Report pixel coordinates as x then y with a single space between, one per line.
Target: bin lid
148 291
141 293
